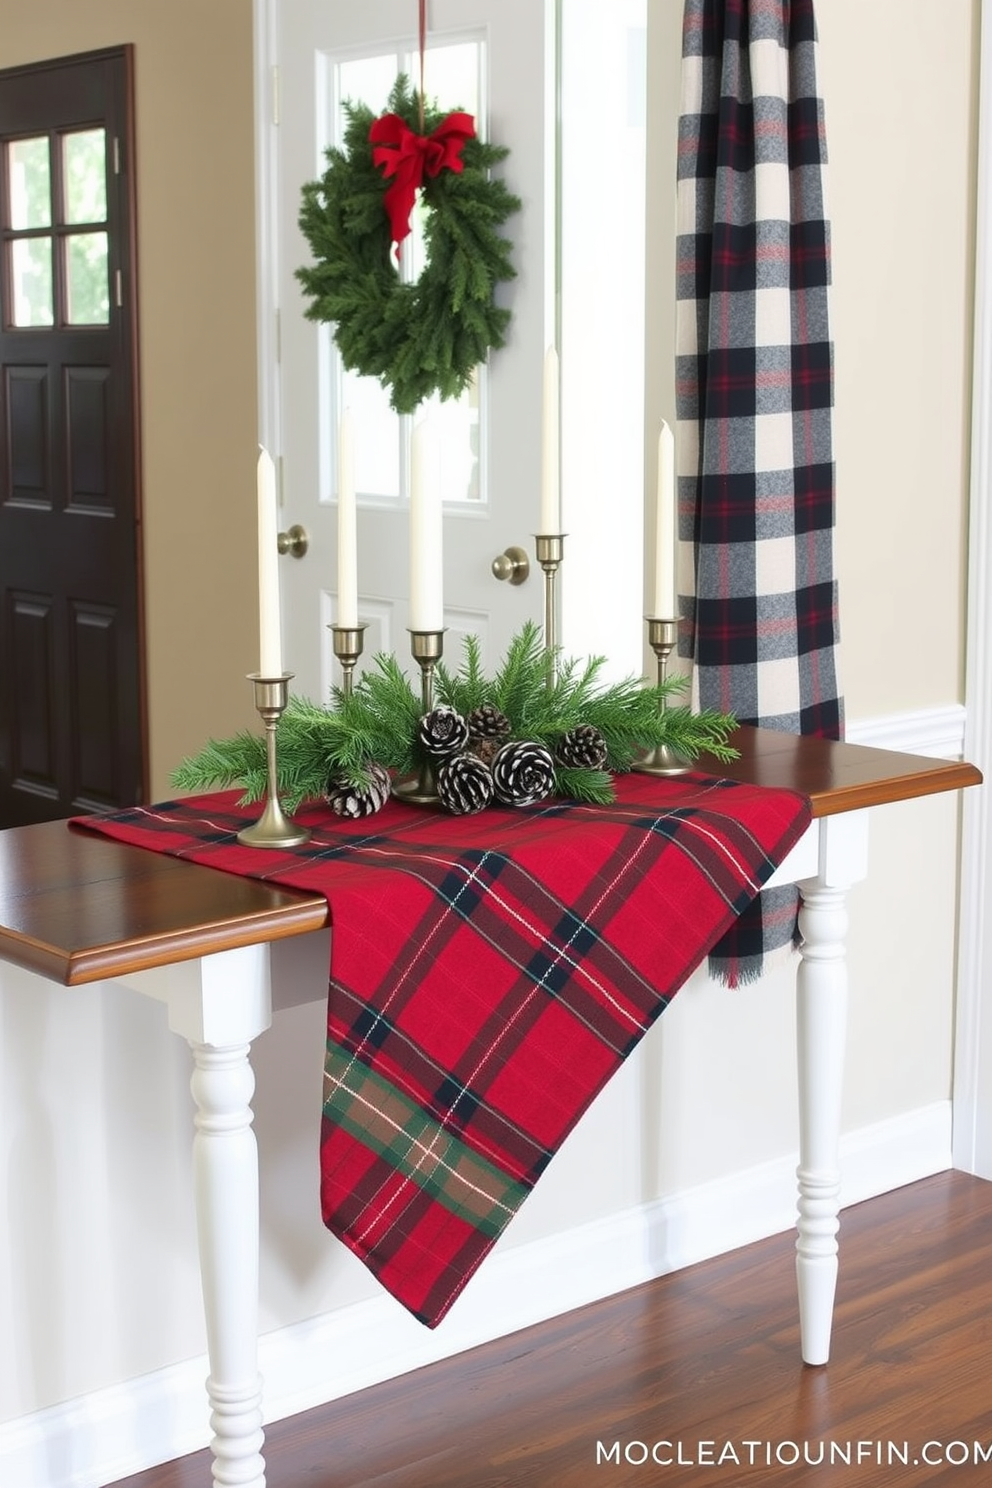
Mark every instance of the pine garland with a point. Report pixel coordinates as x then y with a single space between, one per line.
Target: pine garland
380 721
423 338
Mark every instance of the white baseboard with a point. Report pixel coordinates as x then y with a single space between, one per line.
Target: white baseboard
112 1433
938 732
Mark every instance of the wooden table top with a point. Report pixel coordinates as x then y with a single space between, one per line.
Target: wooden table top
76 907
839 777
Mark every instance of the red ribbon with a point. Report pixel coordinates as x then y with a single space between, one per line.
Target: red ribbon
409 157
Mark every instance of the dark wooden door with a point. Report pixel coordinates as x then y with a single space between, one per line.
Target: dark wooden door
72 735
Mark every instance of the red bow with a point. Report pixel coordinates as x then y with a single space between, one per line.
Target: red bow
409 156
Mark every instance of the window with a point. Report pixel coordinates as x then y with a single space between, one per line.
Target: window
55 230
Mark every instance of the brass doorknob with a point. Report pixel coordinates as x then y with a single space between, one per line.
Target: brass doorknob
513 565
295 541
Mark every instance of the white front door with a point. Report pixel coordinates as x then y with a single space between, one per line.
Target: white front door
496 61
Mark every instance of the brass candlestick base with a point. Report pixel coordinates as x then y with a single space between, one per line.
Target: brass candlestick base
273 828
349 641
550 549
427 647
662 759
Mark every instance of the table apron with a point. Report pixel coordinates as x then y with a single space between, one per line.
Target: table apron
833 850
221 999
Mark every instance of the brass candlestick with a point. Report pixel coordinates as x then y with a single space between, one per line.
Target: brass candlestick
273 828
427 647
550 548
662 759
348 643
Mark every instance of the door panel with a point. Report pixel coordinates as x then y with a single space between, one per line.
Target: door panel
35 759
87 419
27 399
72 733
489 450
94 644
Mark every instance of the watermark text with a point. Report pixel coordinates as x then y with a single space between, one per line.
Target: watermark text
819 1452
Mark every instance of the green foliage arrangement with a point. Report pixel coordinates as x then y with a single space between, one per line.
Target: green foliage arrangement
380 721
416 338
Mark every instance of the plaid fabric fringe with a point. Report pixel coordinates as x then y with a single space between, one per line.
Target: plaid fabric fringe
754 377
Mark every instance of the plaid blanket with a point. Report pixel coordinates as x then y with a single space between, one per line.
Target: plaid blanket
488 976
754 378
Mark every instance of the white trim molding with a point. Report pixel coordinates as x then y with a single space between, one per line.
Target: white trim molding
266 85
126 1428
973 1032
937 732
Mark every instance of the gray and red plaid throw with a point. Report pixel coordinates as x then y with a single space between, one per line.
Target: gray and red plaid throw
489 974
754 377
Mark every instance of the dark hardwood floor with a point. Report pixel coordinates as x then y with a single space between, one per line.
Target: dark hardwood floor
708 1355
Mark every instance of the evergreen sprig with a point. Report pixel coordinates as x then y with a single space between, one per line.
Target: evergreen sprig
416 338
632 715
225 763
542 697
468 688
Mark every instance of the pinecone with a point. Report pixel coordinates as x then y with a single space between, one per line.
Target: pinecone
485 749
464 784
582 747
443 732
523 772
487 722
353 801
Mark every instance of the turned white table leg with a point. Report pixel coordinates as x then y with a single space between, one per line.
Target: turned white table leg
821 1027
225 1176
218 1003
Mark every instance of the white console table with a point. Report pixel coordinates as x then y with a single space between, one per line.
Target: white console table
78 908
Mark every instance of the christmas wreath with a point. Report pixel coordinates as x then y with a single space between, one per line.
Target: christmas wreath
417 338
512 739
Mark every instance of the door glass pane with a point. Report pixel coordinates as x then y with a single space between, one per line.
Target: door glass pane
30 177
457 421
87 294
453 75
84 168
31 281
377 459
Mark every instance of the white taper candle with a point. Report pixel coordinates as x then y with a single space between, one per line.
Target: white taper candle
664 562
426 540
347 609
269 622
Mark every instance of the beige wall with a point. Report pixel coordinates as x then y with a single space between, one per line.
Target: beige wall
899 79
196 280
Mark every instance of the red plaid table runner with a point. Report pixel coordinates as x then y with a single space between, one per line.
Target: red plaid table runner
488 976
